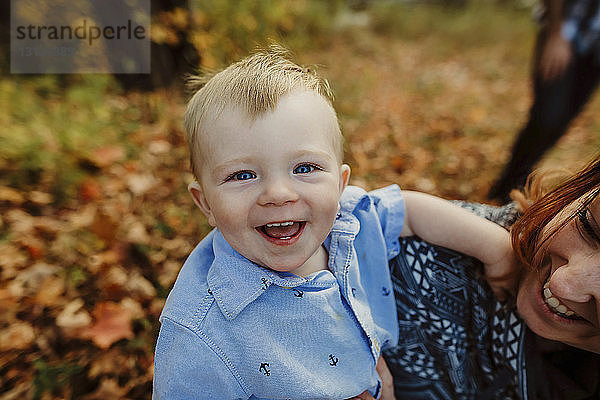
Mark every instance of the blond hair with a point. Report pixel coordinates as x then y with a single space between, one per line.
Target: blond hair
255 85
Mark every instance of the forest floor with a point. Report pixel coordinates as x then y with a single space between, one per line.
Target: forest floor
96 221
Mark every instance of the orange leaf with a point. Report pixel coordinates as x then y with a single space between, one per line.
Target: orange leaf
105 227
105 156
89 190
112 323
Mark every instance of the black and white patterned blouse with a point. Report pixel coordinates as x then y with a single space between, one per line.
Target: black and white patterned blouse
456 340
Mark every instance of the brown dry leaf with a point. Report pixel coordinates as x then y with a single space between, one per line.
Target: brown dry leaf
40 198
139 184
134 307
20 221
178 247
48 225
28 281
398 163
50 291
108 155
8 304
110 361
108 389
168 272
159 147
11 195
18 392
140 286
112 323
11 259
33 245
113 281
105 227
156 306
73 317
83 217
90 190
18 335
115 255
137 233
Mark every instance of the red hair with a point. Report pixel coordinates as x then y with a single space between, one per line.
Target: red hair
526 235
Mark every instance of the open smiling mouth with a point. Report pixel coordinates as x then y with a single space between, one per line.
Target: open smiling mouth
555 305
282 231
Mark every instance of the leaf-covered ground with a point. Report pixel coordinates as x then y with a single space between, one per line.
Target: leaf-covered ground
96 221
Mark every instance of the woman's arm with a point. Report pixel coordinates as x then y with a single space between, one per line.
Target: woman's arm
440 222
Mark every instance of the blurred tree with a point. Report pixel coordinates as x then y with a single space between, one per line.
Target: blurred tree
171 53
4 36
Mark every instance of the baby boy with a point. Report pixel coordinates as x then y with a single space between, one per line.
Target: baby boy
290 295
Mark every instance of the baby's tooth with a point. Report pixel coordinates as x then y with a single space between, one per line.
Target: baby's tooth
276 224
547 293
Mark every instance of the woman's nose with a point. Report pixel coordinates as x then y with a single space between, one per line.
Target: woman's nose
578 280
278 191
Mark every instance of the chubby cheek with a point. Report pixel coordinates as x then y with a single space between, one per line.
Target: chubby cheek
327 205
228 214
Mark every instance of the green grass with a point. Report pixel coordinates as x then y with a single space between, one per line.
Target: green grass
53 129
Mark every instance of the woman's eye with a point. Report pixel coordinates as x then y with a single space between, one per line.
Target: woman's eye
241 176
585 227
304 169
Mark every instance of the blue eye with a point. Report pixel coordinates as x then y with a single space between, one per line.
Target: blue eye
304 169
241 176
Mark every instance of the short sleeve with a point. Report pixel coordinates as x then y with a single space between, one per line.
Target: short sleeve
505 216
186 367
389 205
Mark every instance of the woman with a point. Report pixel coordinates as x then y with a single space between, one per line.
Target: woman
459 342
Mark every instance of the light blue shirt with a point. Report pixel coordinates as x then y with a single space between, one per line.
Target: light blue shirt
234 330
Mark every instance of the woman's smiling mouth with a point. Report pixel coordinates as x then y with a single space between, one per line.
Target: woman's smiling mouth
282 233
555 305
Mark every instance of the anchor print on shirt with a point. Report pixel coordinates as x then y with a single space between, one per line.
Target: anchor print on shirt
385 291
264 368
333 360
265 283
298 293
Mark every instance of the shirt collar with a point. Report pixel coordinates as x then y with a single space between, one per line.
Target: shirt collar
236 281
353 199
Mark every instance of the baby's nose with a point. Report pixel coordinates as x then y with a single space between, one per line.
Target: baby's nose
278 192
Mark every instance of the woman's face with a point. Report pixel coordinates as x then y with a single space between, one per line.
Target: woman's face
562 301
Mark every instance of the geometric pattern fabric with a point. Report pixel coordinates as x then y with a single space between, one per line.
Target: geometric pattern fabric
456 340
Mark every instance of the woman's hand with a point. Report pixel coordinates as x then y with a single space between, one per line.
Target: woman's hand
387 383
503 274
363 396
387 380
555 57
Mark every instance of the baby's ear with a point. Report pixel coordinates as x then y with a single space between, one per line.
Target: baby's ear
344 176
197 194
